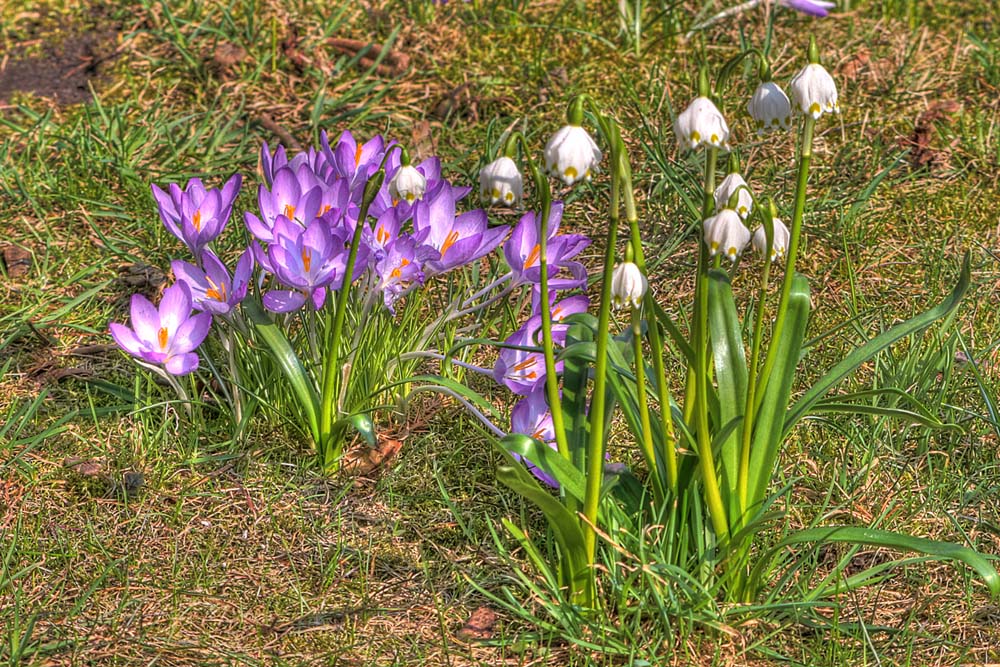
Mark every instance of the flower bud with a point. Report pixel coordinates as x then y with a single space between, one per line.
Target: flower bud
779 244
408 184
628 285
571 154
500 182
814 91
702 123
727 233
733 184
770 108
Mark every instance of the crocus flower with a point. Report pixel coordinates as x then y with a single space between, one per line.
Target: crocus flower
166 336
197 215
628 285
294 195
523 251
315 160
213 290
500 182
818 8
532 417
356 162
702 123
779 244
770 108
306 259
407 184
457 239
522 371
401 267
571 154
814 91
730 185
726 232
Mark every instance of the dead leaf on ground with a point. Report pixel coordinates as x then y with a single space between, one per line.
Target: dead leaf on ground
479 626
16 260
363 460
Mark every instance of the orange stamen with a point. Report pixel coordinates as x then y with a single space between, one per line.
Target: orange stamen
357 155
196 220
289 211
161 338
523 365
449 241
381 235
533 256
306 259
217 292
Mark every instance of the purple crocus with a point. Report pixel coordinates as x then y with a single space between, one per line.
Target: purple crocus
523 251
459 239
197 215
305 259
532 417
166 336
295 195
523 371
356 162
401 267
214 290
818 8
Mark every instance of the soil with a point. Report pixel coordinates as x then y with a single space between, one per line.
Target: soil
63 72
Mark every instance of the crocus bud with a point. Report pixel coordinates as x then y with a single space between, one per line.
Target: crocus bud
779 244
628 285
571 154
702 123
408 184
733 184
500 182
727 233
770 108
814 91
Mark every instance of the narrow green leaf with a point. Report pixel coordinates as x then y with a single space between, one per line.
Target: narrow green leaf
877 344
569 477
302 385
731 376
890 540
675 334
769 422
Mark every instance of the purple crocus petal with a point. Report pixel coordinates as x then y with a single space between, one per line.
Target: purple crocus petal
319 297
190 334
288 266
168 211
175 306
241 277
230 191
284 301
127 340
194 278
818 8
145 318
256 227
181 364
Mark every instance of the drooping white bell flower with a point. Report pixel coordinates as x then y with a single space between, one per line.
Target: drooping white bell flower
408 184
628 285
725 232
729 186
770 108
814 91
500 182
779 244
702 123
571 154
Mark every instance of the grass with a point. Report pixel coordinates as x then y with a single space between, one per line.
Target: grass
234 553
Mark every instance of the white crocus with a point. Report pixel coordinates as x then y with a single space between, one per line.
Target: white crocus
408 184
725 232
770 108
500 182
571 154
733 184
814 91
779 244
702 123
628 285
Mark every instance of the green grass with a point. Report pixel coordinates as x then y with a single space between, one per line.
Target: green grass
236 553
